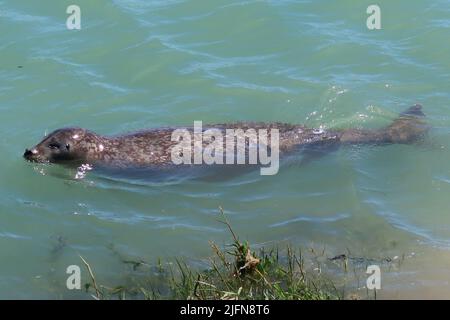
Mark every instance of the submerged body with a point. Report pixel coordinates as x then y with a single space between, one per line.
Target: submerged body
154 147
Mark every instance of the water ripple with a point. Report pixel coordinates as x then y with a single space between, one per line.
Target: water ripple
335 218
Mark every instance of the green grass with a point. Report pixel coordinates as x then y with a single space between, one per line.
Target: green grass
235 272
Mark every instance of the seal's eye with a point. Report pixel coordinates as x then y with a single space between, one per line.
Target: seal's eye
67 147
54 146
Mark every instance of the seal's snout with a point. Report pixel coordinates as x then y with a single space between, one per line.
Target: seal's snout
29 154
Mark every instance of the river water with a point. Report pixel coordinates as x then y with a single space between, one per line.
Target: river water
143 64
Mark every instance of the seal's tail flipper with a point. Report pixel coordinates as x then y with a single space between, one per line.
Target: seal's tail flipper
408 127
414 111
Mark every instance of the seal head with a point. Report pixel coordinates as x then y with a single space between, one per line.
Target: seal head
59 146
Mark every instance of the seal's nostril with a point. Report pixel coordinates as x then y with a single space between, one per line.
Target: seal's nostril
27 153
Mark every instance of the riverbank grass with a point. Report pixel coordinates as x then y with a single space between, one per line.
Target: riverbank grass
233 273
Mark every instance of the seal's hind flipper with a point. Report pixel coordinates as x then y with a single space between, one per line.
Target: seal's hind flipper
408 127
414 111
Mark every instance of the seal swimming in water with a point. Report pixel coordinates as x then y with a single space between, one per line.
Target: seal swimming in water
153 147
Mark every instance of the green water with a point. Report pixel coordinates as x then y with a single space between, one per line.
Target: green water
140 64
